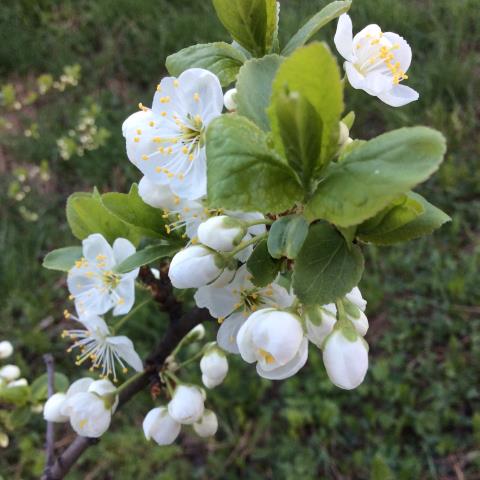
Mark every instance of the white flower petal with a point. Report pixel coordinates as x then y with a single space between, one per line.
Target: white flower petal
95 247
122 249
290 368
227 333
124 296
403 54
160 426
356 79
208 424
53 408
344 37
125 349
399 96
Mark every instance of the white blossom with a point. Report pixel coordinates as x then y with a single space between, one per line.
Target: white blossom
160 426
196 266
186 406
229 99
93 282
167 141
214 367
345 356
53 408
90 411
376 61
6 349
222 233
96 344
207 426
233 303
9 373
21 382
4 440
276 341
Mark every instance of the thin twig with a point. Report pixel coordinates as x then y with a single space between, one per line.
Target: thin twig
50 435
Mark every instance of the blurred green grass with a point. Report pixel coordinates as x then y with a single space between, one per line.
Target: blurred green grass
418 414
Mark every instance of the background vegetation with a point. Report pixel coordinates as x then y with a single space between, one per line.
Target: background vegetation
417 416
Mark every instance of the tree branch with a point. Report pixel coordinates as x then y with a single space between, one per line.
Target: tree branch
50 435
176 330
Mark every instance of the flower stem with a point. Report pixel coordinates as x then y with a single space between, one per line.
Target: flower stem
128 382
128 316
190 360
244 245
263 221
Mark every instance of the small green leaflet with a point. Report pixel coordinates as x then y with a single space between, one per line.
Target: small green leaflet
62 259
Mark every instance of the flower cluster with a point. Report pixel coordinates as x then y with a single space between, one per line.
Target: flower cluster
88 404
261 203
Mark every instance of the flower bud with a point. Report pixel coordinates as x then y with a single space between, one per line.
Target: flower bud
214 367
343 135
9 372
186 406
229 99
355 296
222 233
78 386
196 333
157 196
207 426
320 321
53 407
6 349
345 356
196 266
90 415
160 426
275 340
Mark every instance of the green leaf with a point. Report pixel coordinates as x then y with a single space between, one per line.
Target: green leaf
300 128
327 14
262 266
312 73
86 214
375 173
220 58
132 210
62 259
40 386
326 268
243 172
252 23
17 396
148 255
286 236
18 418
254 88
411 219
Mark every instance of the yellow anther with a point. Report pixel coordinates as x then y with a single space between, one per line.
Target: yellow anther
139 132
158 169
196 97
185 150
161 149
268 357
151 123
181 176
169 150
191 157
159 88
220 320
176 83
176 200
144 157
142 107
136 139
156 139
163 114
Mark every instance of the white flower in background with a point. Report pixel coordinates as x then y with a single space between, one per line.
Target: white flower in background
319 321
345 356
104 350
229 99
187 405
90 411
21 382
160 426
214 367
222 233
182 212
376 62
4 440
52 410
276 341
9 373
196 266
167 141
233 303
207 426
6 349
93 282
